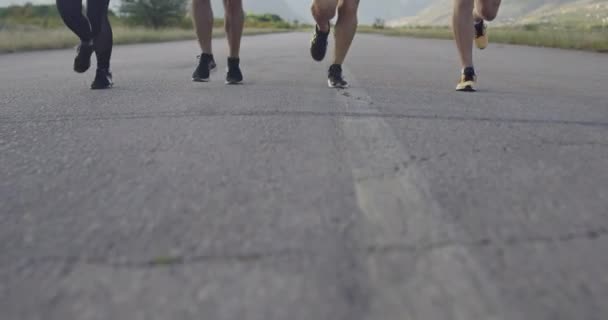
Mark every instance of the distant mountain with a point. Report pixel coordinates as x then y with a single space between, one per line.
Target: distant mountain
279 7
369 10
438 12
419 12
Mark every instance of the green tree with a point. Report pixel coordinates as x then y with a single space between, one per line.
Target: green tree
154 13
378 23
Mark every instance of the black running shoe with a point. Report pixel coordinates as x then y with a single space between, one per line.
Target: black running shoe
206 63
318 44
103 80
335 79
82 62
481 34
234 74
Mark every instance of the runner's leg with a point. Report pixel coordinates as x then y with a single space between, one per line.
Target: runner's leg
346 27
202 17
323 11
486 9
463 30
101 31
234 23
71 13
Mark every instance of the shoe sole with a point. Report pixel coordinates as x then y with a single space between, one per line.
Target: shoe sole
102 88
233 82
85 67
319 58
467 88
329 84
211 70
81 70
481 44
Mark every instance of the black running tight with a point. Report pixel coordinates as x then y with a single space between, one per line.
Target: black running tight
95 26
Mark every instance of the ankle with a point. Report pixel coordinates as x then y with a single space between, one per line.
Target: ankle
468 71
324 29
233 61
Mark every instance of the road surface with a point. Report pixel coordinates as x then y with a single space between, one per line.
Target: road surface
283 199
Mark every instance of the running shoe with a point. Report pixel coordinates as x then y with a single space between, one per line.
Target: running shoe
318 44
234 74
335 78
206 63
103 80
481 34
467 80
84 51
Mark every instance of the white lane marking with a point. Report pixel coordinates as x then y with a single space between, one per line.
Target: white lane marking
442 283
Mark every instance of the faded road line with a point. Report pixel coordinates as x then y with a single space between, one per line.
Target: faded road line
447 283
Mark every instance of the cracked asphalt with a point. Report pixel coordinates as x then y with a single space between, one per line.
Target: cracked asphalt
282 199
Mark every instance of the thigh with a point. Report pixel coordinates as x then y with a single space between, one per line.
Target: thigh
348 3
69 7
97 8
325 3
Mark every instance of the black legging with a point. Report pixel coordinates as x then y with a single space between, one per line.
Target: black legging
95 26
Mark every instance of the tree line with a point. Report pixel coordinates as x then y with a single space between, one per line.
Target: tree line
148 13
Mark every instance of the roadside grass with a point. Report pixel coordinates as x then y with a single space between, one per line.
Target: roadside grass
29 39
589 39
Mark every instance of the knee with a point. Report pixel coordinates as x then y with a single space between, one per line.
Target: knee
348 8
487 14
324 9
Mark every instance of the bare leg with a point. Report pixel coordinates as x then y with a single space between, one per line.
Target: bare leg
346 27
486 9
462 21
202 16
234 23
323 11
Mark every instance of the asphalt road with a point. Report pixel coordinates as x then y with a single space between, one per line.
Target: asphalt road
283 199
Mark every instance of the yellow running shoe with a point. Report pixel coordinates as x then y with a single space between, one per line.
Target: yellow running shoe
481 34
467 80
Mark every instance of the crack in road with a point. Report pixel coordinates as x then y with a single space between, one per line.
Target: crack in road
279 113
379 249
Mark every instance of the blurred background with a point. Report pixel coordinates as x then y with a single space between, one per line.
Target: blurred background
574 24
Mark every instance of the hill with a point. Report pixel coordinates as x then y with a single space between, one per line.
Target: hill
592 12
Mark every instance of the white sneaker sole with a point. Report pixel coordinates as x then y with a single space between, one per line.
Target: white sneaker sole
331 85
